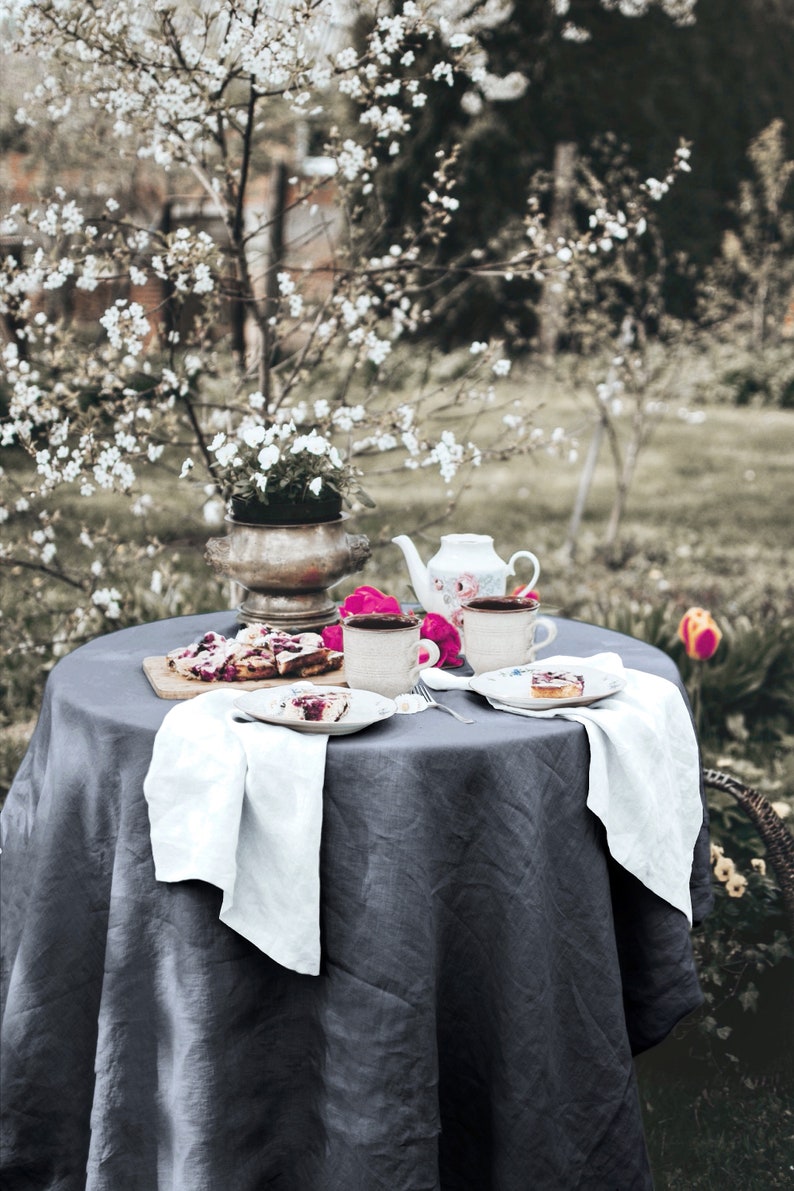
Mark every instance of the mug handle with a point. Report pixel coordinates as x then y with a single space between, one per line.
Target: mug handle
551 632
511 570
432 649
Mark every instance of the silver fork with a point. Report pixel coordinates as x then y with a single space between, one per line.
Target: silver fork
422 690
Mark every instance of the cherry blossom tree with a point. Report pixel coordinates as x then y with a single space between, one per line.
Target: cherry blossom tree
191 332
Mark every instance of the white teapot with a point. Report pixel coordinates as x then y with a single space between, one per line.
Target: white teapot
466 565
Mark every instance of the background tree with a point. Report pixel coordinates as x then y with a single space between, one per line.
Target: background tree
750 285
134 341
715 81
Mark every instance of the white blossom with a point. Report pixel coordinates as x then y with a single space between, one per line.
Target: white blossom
127 326
655 188
268 456
226 453
314 443
253 436
345 417
575 33
108 600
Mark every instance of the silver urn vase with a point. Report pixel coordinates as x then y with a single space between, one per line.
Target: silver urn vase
286 570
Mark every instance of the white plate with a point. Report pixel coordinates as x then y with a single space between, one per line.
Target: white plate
267 706
512 685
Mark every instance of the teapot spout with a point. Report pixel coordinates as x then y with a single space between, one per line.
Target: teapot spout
416 569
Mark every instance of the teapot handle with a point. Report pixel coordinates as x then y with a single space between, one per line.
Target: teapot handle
511 570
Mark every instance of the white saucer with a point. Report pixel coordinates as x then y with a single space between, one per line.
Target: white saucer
512 685
267 706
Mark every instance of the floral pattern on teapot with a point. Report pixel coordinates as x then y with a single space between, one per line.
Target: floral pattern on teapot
456 589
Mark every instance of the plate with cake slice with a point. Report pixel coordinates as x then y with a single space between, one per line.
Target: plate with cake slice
318 710
539 687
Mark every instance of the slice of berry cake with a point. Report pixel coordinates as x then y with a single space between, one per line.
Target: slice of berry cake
212 659
556 684
304 654
320 707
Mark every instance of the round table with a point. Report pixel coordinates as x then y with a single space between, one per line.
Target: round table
487 973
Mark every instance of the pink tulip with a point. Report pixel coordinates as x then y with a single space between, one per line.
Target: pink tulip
700 634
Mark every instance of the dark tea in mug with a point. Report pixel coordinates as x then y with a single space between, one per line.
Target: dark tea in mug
374 621
502 603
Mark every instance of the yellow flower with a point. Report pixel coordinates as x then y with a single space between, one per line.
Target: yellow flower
759 864
717 850
724 869
736 886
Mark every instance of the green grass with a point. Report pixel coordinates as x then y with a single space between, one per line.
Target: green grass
730 1134
710 1123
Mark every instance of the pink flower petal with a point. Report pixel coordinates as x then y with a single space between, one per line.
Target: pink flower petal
332 637
368 599
437 628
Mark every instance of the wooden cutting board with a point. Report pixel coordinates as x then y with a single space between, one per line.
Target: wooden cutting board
169 685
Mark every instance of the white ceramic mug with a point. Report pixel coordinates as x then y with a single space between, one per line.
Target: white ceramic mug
500 631
382 652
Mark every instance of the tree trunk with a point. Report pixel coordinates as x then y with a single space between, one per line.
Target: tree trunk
583 491
624 483
759 307
169 313
275 260
551 312
269 351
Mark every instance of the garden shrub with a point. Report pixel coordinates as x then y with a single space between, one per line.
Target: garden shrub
743 951
762 378
747 385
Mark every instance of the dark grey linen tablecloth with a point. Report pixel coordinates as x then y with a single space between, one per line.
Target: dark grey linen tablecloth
487 969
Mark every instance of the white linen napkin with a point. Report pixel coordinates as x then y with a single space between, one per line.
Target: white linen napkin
240 805
644 774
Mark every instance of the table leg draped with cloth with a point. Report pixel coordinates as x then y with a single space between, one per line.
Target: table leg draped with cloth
486 968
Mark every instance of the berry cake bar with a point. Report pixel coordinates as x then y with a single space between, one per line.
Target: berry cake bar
320 708
256 652
556 684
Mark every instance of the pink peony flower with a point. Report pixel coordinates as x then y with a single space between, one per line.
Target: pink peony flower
368 599
363 599
332 637
446 636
